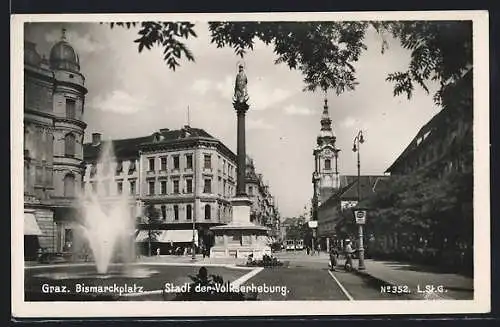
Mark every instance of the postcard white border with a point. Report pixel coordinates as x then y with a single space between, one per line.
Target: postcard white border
482 288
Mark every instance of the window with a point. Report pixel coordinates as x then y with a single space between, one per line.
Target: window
176 162
68 236
69 145
70 108
119 187
151 187
208 211
164 212
328 164
131 167
69 185
176 212
176 187
151 164
189 161
163 163
163 186
189 212
224 166
250 190
225 188
189 186
119 167
132 187
219 186
208 186
208 161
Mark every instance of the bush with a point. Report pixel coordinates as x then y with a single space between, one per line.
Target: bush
206 287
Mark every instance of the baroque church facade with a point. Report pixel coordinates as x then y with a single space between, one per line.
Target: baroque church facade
54 101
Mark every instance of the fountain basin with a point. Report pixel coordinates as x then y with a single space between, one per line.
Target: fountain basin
82 282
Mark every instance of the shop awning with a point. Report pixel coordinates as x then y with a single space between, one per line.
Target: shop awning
179 236
30 225
168 236
143 235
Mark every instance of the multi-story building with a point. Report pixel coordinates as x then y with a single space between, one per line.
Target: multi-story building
54 97
263 209
187 175
442 145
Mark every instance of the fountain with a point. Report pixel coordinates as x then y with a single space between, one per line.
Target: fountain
106 224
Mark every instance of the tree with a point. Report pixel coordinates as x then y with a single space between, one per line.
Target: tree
325 52
154 219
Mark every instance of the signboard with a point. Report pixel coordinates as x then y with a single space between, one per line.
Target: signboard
360 216
347 204
313 224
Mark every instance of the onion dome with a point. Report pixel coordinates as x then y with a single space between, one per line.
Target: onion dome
31 56
63 56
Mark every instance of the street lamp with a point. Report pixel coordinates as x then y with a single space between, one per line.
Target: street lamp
355 148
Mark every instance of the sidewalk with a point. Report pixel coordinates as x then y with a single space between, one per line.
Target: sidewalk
418 277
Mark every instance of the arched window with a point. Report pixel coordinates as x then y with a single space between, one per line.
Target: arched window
69 185
69 145
207 211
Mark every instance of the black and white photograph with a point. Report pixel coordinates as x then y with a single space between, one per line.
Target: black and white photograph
322 164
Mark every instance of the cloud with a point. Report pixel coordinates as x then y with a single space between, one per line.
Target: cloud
226 87
82 43
258 124
348 122
119 101
262 96
300 111
201 86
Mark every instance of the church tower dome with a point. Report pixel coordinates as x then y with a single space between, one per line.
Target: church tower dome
63 56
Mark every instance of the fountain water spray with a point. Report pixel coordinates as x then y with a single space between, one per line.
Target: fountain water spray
107 223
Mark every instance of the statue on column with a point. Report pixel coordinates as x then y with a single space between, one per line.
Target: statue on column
240 86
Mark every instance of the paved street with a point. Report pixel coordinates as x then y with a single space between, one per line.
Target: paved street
304 277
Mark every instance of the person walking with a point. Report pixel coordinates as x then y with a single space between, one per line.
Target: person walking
333 258
348 251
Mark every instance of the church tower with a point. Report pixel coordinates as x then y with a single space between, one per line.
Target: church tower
325 176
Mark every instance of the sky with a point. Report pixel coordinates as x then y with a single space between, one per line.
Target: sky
133 94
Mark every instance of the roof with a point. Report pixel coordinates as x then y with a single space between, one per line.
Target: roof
129 148
349 189
422 134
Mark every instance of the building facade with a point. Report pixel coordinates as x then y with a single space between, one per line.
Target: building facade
443 145
264 209
54 97
187 175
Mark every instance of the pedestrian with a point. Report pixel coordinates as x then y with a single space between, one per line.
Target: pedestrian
158 251
333 258
348 255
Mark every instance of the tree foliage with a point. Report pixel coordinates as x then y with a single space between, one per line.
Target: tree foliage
326 52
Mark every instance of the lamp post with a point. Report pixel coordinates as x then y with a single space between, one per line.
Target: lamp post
356 148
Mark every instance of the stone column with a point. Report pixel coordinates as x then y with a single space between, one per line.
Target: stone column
241 109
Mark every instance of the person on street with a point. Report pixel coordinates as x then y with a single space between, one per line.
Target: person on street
348 255
333 258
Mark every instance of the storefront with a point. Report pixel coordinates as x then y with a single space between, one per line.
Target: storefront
31 233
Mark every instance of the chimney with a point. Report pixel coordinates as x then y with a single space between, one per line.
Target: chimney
96 139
